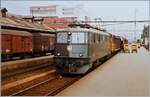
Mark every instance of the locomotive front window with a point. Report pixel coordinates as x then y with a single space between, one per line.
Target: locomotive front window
79 37
62 37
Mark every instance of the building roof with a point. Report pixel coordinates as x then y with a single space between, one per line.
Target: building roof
19 22
15 32
62 22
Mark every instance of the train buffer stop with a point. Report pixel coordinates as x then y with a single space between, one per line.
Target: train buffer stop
125 74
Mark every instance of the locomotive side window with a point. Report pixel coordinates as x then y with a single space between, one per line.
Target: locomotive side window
103 38
98 38
94 37
106 38
86 37
62 37
91 38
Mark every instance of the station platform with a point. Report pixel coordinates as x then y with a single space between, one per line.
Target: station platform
125 74
19 66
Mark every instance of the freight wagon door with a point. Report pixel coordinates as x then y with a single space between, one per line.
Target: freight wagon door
45 43
17 45
27 44
37 43
6 43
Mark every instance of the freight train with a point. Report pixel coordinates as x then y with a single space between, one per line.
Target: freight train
80 48
21 43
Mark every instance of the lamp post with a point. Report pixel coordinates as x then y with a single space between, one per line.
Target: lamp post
135 24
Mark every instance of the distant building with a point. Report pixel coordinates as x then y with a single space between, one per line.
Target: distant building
70 12
45 11
56 16
145 36
62 22
54 11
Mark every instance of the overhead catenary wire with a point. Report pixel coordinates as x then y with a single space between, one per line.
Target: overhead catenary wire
115 24
95 22
108 21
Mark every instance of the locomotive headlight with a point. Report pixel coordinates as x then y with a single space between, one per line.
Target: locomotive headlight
58 54
69 47
80 55
69 33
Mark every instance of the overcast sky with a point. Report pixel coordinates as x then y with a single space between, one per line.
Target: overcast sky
106 10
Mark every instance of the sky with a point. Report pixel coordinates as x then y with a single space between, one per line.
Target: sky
106 10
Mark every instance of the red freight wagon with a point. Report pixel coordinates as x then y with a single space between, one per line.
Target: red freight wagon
115 43
118 43
15 43
43 43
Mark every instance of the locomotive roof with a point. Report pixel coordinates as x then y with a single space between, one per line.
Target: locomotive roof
83 29
43 34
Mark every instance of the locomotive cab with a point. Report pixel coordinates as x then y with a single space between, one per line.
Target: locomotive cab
71 52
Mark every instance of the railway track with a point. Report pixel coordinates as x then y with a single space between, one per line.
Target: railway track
19 82
48 87
33 86
49 84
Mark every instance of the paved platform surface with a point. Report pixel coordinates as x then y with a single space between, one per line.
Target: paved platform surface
125 74
25 60
20 66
